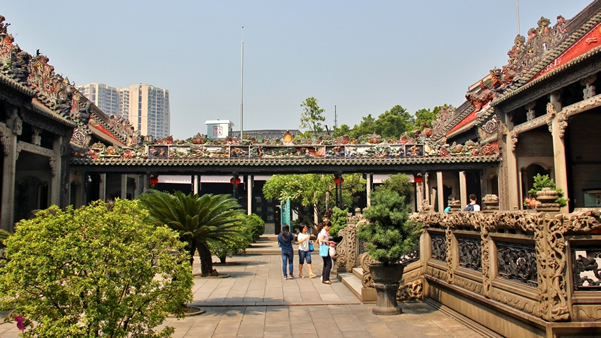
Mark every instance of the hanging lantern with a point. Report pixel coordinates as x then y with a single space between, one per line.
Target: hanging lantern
418 179
338 181
153 180
235 181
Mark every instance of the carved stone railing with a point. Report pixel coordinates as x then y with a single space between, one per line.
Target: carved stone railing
541 264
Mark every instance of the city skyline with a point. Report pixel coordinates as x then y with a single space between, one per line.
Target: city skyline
147 107
363 58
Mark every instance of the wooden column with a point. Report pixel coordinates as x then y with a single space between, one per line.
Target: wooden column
124 186
368 178
521 190
56 166
427 189
102 187
420 195
512 172
462 189
559 150
9 142
249 194
196 184
440 186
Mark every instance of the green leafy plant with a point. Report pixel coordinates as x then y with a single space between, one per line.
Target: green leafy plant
399 183
100 270
338 221
256 226
543 181
390 234
201 221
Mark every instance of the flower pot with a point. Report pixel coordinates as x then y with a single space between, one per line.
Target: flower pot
386 282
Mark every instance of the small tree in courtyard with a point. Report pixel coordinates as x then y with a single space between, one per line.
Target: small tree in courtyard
201 221
390 234
101 270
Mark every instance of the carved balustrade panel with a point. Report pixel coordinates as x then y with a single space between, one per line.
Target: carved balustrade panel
517 262
439 247
470 253
586 268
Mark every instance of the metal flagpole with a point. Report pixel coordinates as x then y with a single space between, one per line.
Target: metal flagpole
242 86
517 6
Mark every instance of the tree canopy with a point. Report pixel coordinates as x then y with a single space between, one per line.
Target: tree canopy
391 124
312 115
312 190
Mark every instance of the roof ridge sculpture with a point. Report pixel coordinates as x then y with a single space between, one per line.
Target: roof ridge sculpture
34 76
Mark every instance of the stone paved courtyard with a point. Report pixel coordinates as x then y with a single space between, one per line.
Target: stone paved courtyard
257 302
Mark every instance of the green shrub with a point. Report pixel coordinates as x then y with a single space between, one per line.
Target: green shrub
338 221
256 226
100 270
543 181
390 234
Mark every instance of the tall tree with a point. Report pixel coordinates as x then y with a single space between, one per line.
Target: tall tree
312 115
394 122
344 129
424 117
365 127
201 221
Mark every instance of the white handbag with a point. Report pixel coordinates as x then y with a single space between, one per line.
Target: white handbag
332 251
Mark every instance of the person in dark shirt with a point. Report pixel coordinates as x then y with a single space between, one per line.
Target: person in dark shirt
285 242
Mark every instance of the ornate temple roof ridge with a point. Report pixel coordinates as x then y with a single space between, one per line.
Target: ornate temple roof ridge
544 61
34 76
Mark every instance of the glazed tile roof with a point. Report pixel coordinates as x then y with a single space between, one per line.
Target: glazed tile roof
9 81
44 110
274 162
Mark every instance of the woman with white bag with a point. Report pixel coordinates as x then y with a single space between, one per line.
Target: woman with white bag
324 251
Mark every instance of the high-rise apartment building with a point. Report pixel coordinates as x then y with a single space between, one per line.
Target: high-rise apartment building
146 106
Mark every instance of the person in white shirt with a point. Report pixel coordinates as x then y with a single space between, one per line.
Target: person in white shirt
303 251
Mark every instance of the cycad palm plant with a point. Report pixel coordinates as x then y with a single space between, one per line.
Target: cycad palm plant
200 220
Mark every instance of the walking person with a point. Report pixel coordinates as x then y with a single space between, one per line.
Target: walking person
304 253
324 251
285 242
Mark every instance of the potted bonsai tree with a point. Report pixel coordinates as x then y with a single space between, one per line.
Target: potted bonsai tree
389 236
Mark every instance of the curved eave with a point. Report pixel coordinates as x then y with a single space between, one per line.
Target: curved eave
282 162
7 80
40 108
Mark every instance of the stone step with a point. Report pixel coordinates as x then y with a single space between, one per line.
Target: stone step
358 272
353 282
264 246
268 238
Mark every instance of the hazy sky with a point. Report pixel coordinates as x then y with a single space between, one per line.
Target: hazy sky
364 57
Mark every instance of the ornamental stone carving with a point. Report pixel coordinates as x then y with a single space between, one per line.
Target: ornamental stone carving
411 291
531 113
589 87
36 138
14 123
6 142
513 136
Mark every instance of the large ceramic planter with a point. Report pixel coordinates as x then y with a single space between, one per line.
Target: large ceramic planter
386 282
